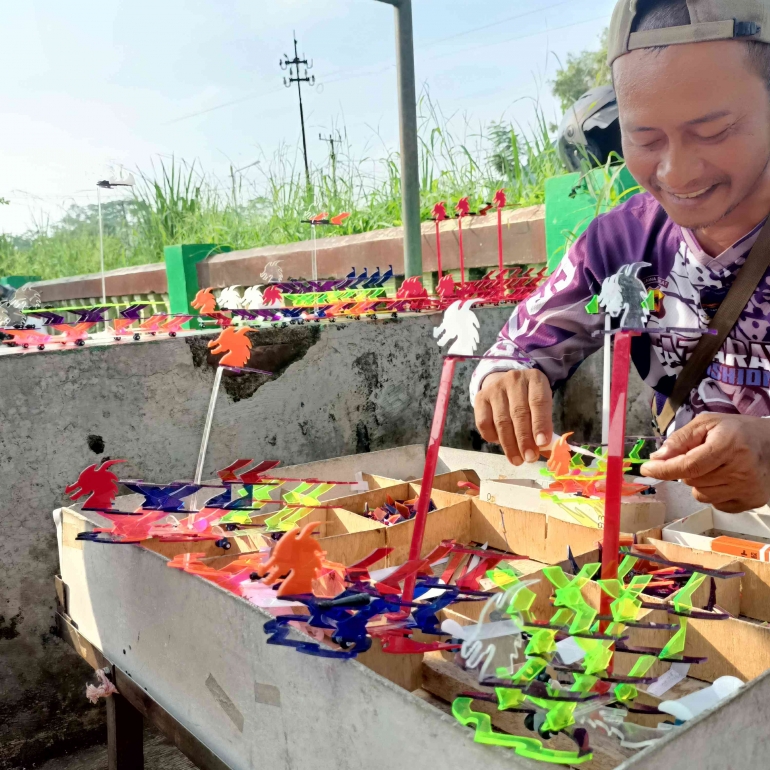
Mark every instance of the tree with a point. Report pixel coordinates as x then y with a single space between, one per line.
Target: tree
582 72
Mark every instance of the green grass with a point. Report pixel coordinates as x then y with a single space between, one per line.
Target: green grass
177 202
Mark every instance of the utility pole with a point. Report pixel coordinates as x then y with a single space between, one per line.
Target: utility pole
293 66
332 140
407 109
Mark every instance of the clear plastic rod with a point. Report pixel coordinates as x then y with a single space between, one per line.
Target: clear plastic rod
207 426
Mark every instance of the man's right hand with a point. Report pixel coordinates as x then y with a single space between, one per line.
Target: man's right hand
514 409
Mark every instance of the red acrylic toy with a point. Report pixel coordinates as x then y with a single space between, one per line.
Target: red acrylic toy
97 484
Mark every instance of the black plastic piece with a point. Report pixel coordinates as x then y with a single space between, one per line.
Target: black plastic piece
746 29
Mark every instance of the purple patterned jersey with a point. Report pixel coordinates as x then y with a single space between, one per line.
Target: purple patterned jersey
554 330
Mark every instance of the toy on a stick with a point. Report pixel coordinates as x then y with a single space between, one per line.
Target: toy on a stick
463 209
439 215
97 483
236 346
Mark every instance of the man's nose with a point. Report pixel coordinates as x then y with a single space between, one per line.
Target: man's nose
679 167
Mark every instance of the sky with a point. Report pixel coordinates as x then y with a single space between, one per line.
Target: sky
97 86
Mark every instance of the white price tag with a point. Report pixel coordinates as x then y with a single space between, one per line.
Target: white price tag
672 677
570 651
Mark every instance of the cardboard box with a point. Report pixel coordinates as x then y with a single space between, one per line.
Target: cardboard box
141 614
637 513
690 540
346 537
542 538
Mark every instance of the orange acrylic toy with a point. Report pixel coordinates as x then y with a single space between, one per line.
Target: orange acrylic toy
297 555
235 344
205 302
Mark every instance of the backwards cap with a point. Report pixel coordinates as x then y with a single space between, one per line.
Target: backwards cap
711 20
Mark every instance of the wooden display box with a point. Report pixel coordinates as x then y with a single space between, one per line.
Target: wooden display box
539 537
201 653
637 513
690 539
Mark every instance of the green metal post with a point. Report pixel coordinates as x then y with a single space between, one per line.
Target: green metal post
407 109
570 206
182 275
17 281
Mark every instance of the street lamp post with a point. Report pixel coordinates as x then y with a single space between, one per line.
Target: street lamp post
407 109
107 184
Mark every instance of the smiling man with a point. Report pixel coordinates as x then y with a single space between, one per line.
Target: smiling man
693 86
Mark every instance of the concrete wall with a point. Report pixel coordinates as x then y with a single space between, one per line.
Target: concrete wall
340 389
523 243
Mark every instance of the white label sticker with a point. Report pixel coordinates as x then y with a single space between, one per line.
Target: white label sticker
570 651
672 677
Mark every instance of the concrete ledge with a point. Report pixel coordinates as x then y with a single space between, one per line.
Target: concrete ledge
523 244
340 389
141 279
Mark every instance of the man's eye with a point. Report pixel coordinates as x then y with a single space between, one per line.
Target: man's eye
715 137
649 144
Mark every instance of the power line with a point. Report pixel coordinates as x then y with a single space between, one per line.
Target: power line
331 75
519 37
222 105
497 23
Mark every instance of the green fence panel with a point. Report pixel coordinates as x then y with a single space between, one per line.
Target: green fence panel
573 201
182 275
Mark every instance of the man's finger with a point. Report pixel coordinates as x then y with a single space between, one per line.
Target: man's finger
506 434
722 476
696 463
682 441
485 421
518 401
713 495
541 408
732 506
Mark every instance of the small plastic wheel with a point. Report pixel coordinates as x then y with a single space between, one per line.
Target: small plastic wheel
152 333
25 345
41 347
137 337
117 339
172 334
80 343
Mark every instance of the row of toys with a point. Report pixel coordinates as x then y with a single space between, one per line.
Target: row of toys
25 324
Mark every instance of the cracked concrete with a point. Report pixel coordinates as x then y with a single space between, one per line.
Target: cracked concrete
341 389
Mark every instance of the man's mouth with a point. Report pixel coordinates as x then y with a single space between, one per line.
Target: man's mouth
690 196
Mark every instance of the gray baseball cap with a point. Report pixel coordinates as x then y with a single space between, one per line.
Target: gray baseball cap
711 20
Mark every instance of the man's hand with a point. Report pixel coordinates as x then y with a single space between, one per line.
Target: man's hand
725 458
513 409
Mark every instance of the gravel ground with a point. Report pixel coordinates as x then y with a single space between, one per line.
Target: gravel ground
159 754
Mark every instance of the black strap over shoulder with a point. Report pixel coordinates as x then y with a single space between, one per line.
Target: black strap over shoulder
728 314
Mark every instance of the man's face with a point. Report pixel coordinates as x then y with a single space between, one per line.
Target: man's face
696 128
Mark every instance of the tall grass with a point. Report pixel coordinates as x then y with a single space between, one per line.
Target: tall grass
178 202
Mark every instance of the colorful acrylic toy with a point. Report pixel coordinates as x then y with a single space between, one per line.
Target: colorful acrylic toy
439 215
97 484
236 346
